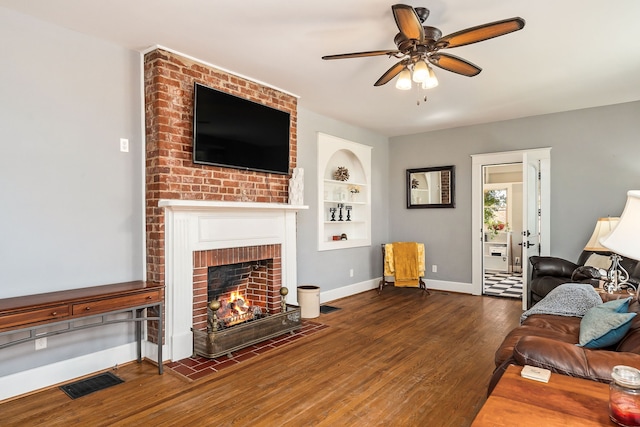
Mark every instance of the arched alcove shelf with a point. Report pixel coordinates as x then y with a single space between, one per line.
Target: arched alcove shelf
337 193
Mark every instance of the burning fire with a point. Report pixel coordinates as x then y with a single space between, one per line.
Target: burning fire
237 303
236 309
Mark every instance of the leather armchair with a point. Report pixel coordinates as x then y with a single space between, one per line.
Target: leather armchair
547 273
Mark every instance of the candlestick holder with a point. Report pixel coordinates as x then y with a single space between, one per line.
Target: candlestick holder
333 213
340 207
348 208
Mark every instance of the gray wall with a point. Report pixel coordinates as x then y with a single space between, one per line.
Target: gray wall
330 269
595 160
71 202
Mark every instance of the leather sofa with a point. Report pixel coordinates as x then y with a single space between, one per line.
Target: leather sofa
547 273
549 341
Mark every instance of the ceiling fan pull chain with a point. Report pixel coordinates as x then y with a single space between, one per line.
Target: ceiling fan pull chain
420 96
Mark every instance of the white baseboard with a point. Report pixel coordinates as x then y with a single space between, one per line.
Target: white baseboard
348 290
441 285
49 375
356 288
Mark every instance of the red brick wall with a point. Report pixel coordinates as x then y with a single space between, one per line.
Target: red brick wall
170 173
445 189
264 289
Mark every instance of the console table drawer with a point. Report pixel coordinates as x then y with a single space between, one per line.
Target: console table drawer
113 304
34 316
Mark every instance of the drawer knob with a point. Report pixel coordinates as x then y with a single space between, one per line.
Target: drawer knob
54 313
87 308
149 297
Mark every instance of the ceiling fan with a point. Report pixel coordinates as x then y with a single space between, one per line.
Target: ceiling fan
417 44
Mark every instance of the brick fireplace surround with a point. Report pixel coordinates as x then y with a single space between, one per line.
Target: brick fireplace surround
264 291
191 208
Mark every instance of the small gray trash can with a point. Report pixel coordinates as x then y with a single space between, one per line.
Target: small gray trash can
309 301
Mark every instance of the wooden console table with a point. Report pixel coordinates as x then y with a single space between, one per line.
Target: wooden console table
563 401
33 312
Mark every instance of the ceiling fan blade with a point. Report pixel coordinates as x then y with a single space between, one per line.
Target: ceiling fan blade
454 64
408 22
362 54
390 73
481 33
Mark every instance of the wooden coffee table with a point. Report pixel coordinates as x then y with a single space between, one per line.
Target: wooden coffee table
563 401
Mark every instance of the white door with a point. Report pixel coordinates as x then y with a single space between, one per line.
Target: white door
536 204
531 218
535 209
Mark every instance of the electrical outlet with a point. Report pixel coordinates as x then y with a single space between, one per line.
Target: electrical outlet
41 343
124 145
434 268
351 273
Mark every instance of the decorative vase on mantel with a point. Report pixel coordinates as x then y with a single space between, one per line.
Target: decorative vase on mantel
296 187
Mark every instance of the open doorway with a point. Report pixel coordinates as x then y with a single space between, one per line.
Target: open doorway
502 230
535 208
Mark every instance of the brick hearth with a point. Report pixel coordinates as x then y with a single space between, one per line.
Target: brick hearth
197 367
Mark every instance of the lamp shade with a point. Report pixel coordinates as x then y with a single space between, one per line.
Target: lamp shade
431 81
420 71
404 80
625 238
604 226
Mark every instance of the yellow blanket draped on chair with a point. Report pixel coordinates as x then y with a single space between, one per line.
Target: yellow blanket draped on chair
404 261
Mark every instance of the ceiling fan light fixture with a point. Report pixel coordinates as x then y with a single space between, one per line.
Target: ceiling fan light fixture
431 81
418 46
404 79
420 71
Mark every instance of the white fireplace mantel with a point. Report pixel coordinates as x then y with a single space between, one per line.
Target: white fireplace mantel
195 225
214 204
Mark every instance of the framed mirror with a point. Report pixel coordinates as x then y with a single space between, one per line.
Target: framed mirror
431 187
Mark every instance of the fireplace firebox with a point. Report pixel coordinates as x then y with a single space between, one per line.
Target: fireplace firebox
231 292
245 300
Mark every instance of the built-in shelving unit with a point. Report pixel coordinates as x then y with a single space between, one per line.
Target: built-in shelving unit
355 192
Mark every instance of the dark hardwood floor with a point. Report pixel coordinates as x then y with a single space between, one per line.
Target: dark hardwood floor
399 359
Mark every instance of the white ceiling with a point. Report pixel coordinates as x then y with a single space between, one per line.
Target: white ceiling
572 54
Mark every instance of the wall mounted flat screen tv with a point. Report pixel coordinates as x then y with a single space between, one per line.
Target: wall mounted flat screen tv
237 133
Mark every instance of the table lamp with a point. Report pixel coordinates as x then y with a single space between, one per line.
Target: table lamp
624 241
604 226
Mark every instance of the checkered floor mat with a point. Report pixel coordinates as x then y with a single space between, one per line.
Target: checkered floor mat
501 284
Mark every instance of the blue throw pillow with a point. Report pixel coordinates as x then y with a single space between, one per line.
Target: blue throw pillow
601 326
617 305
